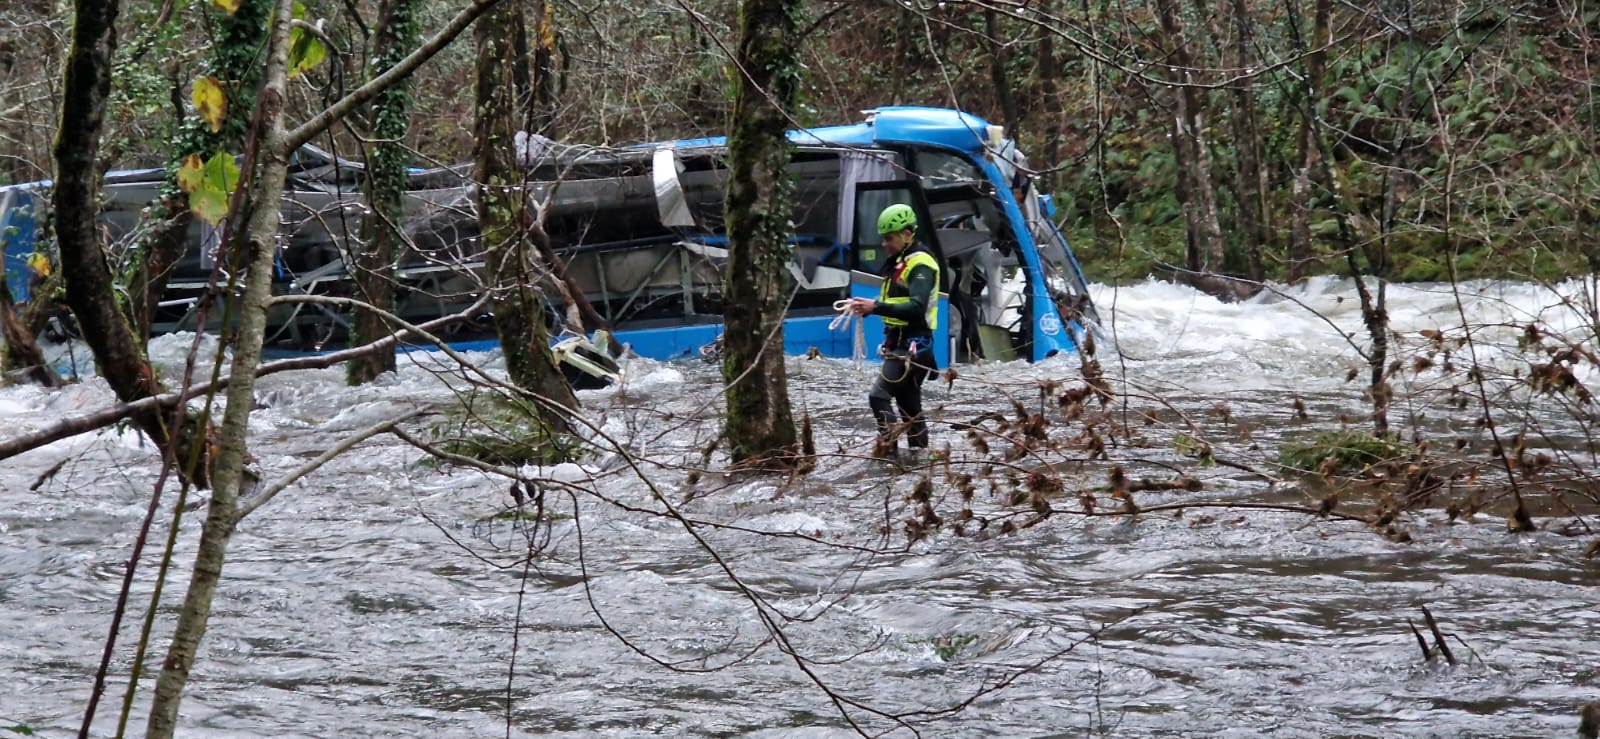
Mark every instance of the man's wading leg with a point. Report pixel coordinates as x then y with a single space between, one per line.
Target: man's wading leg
899 383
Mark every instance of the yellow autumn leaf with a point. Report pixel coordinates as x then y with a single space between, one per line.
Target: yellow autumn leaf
227 6
39 263
209 102
192 173
547 30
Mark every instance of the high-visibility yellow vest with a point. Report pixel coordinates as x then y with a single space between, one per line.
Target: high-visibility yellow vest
897 289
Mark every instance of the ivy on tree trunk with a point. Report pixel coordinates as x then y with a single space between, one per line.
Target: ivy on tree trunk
387 159
506 225
235 62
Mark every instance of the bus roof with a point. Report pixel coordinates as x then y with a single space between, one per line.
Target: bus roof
951 129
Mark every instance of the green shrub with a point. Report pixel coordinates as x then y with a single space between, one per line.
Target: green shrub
501 431
1353 452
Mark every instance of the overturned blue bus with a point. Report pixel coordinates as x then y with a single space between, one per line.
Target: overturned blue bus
640 232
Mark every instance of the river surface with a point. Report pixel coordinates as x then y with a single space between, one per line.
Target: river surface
380 596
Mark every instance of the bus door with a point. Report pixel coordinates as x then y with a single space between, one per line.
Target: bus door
868 256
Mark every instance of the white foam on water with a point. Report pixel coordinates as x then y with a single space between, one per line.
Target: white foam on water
1308 336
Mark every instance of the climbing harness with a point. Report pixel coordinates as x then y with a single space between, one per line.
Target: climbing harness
907 357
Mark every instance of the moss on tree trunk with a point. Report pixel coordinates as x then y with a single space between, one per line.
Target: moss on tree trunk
760 425
386 185
505 224
90 288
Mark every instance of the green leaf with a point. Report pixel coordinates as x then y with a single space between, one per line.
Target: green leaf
210 186
1497 145
1348 94
305 49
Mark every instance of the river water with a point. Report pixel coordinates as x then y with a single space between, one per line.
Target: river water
380 596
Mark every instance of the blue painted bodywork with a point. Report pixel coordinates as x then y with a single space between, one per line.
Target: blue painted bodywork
17 233
800 335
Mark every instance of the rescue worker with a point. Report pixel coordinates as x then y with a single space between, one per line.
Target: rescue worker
908 302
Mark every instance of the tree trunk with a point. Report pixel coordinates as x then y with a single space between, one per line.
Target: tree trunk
906 57
13 128
387 159
759 424
1301 254
264 177
999 76
1052 107
1189 129
28 55
90 289
1251 176
22 359
504 222
1194 257
537 91
540 90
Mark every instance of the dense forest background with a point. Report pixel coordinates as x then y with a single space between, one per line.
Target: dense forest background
1269 140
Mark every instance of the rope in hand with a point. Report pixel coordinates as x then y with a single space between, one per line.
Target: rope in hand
841 322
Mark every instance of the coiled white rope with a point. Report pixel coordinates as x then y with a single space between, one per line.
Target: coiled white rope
841 322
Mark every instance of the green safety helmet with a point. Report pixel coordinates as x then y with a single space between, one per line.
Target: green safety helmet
897 217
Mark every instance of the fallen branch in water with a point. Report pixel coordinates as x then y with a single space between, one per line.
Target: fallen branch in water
1249 506
1422 642
1439 646
1438 636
